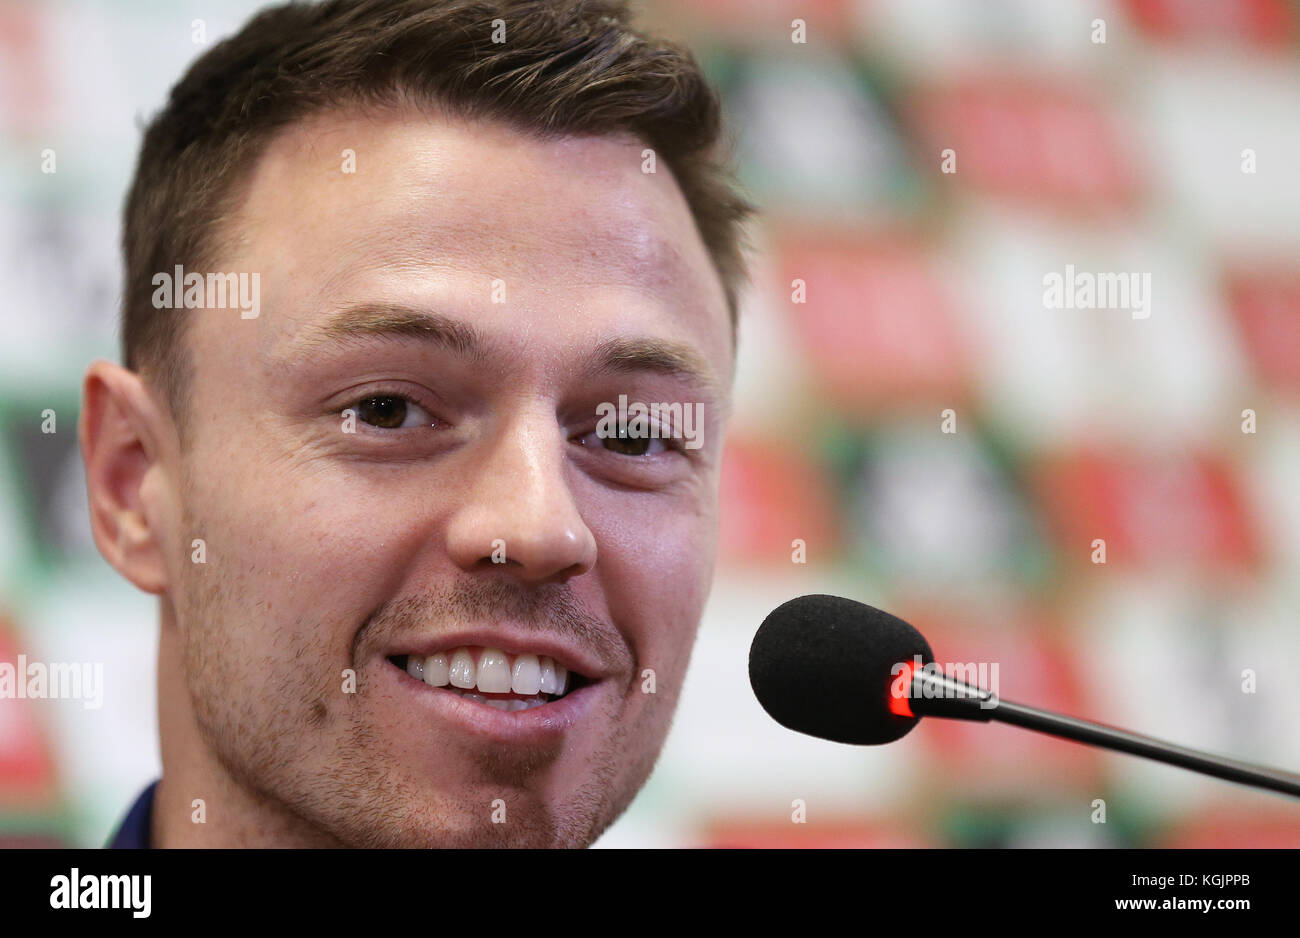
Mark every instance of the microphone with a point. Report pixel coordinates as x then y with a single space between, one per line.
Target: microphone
841 670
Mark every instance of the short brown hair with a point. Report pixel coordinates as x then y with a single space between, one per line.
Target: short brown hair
566 67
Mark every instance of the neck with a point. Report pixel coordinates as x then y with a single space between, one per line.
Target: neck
199 803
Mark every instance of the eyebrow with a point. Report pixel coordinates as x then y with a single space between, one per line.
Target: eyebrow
620 356
386 321
672 359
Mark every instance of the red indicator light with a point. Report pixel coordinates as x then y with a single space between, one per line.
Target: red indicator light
898 702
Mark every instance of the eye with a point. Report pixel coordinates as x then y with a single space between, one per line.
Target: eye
392 412
626 445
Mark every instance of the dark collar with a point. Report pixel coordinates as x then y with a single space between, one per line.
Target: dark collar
134 832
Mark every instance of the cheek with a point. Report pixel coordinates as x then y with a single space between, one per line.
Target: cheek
302 559
655 569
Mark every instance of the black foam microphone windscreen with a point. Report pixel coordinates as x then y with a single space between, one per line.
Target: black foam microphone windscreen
824 665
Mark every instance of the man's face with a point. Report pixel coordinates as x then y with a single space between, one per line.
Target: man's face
416 403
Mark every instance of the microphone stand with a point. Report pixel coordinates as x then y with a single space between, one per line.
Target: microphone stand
936 694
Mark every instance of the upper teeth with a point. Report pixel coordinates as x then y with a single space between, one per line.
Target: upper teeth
493 672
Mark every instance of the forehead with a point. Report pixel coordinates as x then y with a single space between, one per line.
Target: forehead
517 233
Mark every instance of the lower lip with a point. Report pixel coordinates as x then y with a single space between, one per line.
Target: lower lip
548 722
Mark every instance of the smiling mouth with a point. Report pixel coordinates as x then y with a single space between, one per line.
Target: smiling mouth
492 677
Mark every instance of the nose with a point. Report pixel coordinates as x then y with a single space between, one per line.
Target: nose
519 513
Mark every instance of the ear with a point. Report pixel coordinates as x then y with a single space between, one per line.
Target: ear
124 436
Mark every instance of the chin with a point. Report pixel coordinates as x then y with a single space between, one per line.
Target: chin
464 820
